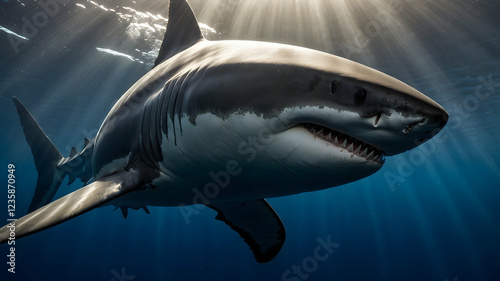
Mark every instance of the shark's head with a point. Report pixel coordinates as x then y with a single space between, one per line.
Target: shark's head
298 114
321 116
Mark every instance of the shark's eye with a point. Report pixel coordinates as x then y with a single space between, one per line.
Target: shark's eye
335 86
360 97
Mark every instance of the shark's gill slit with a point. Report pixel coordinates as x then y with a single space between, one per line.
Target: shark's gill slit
166 106
353 145
180 98
172 104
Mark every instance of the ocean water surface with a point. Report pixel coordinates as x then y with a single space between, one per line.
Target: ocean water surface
431 213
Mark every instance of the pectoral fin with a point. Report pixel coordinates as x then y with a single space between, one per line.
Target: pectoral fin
74 204
257 223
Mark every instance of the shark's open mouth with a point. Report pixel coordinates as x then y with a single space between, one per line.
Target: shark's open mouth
341 140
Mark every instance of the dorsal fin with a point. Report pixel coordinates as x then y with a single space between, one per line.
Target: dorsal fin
182 32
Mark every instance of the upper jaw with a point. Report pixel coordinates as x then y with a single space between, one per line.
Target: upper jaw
388 133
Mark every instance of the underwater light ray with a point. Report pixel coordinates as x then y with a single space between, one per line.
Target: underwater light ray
98 22
418 211
451 206
369 193
424 64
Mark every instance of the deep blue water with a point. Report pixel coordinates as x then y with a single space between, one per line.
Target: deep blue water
432 213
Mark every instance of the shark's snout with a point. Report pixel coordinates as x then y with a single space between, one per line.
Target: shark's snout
435 114
407 120
384 114
433 119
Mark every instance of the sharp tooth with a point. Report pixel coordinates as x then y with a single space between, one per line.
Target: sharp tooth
358 149
320 131
336 140
344 144
351 147
364 152
329 136
371 154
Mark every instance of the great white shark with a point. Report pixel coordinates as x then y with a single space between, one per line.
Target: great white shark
260 119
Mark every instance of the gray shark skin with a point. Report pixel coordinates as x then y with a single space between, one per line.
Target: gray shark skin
262 119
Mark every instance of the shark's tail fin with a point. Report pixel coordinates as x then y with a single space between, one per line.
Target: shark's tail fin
46 156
